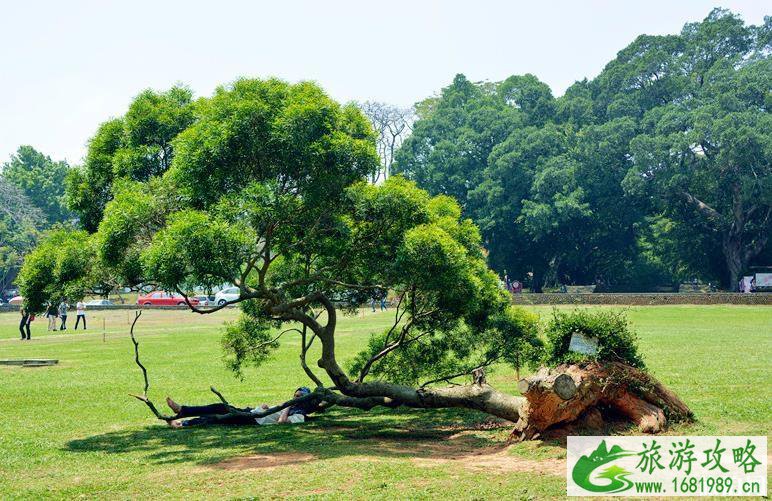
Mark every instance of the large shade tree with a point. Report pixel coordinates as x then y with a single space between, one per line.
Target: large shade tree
707 157
42 181
453 136
654 171
31 201
266 191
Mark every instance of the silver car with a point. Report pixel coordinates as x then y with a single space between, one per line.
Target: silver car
225 295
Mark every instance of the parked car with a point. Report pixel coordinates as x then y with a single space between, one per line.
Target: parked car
225 295
159 298
99 302
16 300
205 300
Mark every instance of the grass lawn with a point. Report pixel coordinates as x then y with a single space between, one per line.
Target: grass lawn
71 430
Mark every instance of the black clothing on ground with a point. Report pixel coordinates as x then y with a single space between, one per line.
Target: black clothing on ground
205 415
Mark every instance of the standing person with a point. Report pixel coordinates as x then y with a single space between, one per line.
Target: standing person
63 313
80 309
379 296
51 314
26 318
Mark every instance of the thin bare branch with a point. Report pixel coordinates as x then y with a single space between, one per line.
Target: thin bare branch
138 314
143 397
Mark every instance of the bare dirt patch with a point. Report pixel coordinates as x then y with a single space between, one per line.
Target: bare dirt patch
466 451
498 460
445 447
263 461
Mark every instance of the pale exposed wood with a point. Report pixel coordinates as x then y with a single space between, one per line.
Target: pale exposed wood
574 393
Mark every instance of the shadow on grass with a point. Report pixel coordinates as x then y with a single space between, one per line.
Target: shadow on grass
383 433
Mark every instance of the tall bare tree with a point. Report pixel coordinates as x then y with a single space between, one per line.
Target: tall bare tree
393 125
19 223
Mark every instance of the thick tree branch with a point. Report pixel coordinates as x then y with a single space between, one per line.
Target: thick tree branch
304 347
703 208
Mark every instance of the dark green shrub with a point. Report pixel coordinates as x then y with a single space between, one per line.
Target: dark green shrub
616 341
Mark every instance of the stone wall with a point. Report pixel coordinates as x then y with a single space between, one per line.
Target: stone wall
635 299
643 299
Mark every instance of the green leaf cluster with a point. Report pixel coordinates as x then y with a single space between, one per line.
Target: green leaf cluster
617 342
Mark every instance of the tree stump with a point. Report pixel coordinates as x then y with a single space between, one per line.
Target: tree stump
567 393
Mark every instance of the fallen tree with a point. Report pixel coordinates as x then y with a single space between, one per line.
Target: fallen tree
266 191
551 398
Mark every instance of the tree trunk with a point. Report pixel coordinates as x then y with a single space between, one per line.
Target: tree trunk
568 393
537 280
733 255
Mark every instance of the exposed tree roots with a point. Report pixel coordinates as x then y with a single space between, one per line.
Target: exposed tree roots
578 393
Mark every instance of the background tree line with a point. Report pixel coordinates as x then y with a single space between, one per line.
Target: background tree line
655 171
40 196
32 199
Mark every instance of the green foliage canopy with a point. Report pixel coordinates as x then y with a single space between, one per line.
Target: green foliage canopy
42 181
137 146
19 223
655 171
266 190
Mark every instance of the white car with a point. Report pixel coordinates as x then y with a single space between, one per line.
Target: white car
99 302
225 295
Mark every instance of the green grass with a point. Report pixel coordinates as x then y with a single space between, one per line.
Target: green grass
71 430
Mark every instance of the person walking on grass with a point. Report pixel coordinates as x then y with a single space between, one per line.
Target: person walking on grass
80 309
379 297
26 318
52 313
63 313
210 414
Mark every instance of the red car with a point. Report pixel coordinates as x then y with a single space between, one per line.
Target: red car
159 298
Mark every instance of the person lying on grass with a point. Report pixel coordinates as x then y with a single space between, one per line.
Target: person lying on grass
215 413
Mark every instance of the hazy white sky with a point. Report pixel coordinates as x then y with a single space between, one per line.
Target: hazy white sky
66 66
